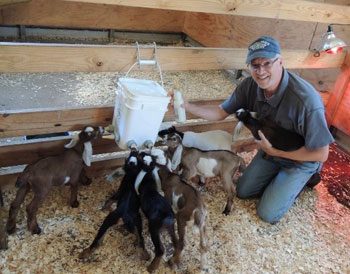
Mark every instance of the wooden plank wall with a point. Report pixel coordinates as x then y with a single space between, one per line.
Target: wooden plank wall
57 13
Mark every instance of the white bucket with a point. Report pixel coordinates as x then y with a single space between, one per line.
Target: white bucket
139 111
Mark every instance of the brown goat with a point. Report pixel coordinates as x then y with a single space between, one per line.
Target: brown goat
187 204
208 164
41 176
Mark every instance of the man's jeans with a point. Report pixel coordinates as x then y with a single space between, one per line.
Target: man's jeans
277 181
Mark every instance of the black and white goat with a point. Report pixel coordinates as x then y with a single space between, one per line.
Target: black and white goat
187 204
278 136
155 207
207 164
128 206
41 176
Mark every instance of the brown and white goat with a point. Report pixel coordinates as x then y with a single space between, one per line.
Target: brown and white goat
187 204
41 176
208 164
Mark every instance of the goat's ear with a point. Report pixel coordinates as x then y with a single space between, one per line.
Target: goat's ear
87 154
254 115
138 180
176 160
73 141
237 131
157 179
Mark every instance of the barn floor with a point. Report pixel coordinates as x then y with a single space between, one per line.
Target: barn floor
312 238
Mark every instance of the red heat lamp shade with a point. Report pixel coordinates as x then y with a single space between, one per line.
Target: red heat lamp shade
332 44
335 50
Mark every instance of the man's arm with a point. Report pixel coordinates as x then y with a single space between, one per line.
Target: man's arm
207 112
302 154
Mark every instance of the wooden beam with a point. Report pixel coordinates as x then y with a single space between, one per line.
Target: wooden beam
29 57
299 10
41 121
10 2
28 152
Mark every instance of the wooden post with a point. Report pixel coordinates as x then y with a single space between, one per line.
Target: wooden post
338 105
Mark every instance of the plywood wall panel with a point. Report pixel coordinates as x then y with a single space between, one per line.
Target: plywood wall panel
213 30
56 13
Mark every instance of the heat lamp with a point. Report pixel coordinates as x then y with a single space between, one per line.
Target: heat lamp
330 43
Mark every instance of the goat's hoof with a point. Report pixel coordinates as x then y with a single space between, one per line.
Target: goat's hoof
75 204
86 182
36 230
11 229
145 256
85 254
150 269
226 212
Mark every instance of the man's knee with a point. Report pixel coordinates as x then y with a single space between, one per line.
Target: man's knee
242 191
268 217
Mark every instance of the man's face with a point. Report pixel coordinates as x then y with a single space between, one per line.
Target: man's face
267 73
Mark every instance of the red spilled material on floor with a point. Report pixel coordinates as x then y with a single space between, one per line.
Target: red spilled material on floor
336 174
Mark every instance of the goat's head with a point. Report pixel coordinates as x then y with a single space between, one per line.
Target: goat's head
148 164
243 115
173 140
131 163
86 136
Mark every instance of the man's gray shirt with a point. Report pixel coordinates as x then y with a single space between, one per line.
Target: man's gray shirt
296 106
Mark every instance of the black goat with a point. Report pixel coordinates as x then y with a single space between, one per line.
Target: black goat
155 207
278 136
41 176
128 206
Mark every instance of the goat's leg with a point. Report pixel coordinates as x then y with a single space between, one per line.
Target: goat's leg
199 221
3 235
154 229
74 194
141 241
15 206
111 219
228 187
83 178
115 197
32 210
181 228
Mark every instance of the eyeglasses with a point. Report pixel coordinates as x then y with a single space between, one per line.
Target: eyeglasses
266 65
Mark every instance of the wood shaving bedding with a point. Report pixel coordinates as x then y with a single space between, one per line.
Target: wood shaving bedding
311 238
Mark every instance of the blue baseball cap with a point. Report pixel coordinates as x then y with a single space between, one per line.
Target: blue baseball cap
265 46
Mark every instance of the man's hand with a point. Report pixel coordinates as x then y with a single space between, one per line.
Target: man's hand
265 145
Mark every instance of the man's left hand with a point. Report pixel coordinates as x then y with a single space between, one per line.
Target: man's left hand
265 145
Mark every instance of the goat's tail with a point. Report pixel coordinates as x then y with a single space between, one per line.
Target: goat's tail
242 165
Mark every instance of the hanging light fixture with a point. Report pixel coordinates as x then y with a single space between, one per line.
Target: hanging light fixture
329 43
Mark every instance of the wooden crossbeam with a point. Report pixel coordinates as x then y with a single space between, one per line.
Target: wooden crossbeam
11 2
32 57
41 121
28 152
299 10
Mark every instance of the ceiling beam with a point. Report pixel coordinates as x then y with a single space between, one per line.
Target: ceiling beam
34 57
299 10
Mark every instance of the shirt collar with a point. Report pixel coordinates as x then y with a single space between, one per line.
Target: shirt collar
277 97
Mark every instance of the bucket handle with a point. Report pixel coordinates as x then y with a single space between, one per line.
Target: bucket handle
151 62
